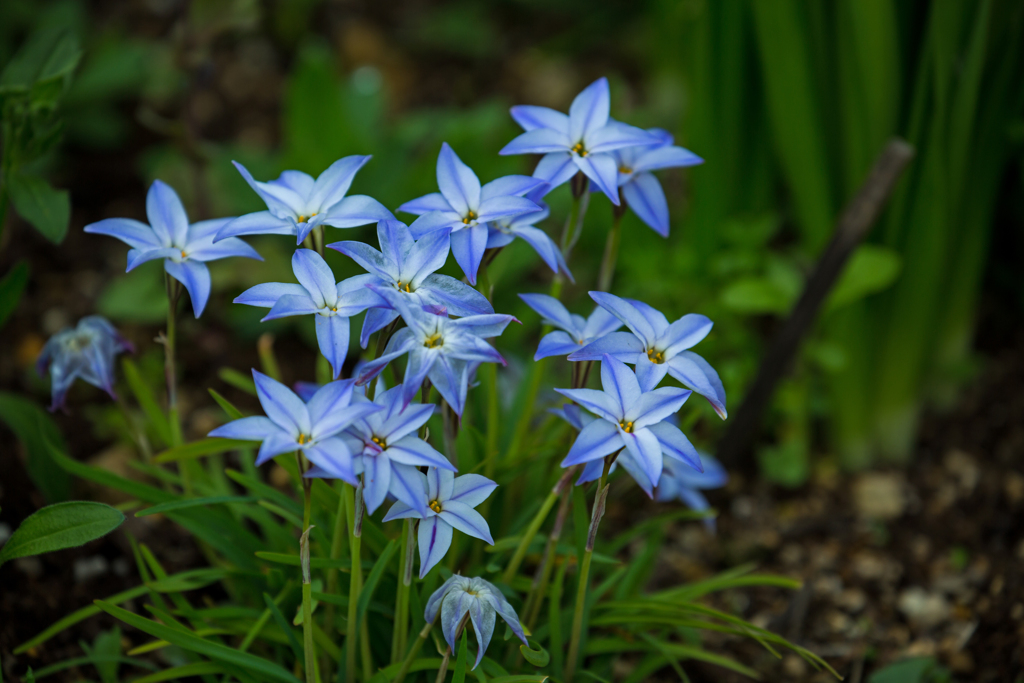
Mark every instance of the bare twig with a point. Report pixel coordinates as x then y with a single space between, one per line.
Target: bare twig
853 226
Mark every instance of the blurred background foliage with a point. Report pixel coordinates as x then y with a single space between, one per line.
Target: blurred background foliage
789 101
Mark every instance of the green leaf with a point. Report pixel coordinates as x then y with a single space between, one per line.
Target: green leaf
34 427
78 616
47 209
139 296
193 502
60 526
539 657
238 380
146 398
459 675
314 562
48 55
756 295
373 579
198 449
229 408
181 672
871 269
11 288
275 611
187 640
916 670
520 679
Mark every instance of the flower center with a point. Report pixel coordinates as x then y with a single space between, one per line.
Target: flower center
304 439
580 149
655 356
403 287
435 505
434 341
470 217
379 441
303 219
625 169
183 254
626 426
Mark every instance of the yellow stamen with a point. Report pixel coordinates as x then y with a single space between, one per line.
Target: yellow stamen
627 427
655 356
435 505
579 149
304 439
183 254
379 441
433 341
470 217
403 287
625 169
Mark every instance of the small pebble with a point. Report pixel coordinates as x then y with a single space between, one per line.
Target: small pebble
923 609
32 566
794 666
879 495
88 568
852 600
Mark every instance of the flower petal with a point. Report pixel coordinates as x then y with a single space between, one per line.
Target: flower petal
274 445
471 489
254 428
685 333
424 257
435 537
136 257
459 298
675 444
416 452
602 170
434 201
668 156
468 248
367 257
466 519
435 220
166 214
644 195
551 310
556 168
356 210
623 346
196 278
259 223
646 451
457 182
596 440
332 184
509 186
407 486
376 481
538 141
206 250
619 382
655 406
281 199
292 304
617 135
628 314
555 343
531 116
332 459
589 110
315 275
135 234
282 405
696 373
648 373
597 402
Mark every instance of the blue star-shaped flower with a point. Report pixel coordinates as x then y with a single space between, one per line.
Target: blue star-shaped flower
313 427
582 141
296 203
459 596
387 451
465 207
440 348
574 331
639 187
316 294
408 267
185 248
658 348
450 502
630 419
503 231
85 351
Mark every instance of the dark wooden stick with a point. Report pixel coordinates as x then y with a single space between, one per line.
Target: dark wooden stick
852 228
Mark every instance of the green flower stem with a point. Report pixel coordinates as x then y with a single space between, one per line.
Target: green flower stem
611 248
337 540
318 239
354 587
307 589
584 582
171 377
401 629
411 657
535 524
442 670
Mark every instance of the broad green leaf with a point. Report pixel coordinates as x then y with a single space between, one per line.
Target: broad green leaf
265 669
193 502
11 288
915 670
47 209
33 427
537 655
60 526
198 449
870 270
49 54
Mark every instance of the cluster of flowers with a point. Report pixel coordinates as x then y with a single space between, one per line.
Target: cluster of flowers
372 438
